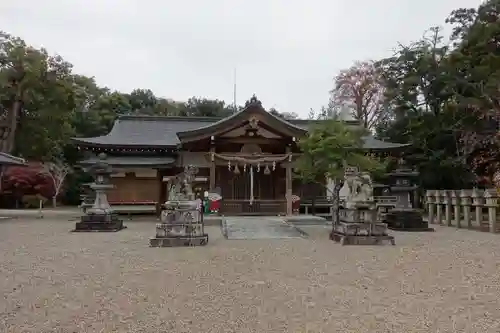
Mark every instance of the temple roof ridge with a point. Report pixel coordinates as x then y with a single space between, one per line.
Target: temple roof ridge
250 107
167 118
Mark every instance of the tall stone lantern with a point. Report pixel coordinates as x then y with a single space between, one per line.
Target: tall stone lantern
405 216
100 217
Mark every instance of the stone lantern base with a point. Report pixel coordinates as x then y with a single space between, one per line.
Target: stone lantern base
406 219
99 221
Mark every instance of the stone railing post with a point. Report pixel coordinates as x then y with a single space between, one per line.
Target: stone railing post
491 203
439 207
465 201
478 206
431 205
455 201
447 207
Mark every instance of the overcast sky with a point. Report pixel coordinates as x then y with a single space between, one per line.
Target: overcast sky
286 52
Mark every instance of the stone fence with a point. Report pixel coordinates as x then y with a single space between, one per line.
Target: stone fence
472 209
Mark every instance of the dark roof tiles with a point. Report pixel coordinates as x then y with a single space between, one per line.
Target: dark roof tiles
147 131
156 131
131 160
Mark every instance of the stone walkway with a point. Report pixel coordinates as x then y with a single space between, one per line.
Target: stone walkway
259 227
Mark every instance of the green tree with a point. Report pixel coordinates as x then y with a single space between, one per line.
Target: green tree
421 89
415 78
435 148
475 63
203 107
283 115
328 148
446 99
36 98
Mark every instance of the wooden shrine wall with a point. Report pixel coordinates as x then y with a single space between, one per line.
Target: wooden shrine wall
130 189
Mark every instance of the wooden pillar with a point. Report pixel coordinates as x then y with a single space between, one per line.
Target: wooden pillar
212 168
288 186
159 178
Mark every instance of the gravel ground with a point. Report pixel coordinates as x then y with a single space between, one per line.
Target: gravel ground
56 281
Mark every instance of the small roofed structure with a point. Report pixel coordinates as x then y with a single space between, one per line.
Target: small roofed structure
248 155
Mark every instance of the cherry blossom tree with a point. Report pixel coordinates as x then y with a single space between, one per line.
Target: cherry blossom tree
359 89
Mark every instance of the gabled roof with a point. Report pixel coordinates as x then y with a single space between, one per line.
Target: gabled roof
138 131
236 119
7 159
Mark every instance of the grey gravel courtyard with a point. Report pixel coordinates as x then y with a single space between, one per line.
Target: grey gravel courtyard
56 281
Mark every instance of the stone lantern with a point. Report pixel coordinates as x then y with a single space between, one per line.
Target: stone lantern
100 217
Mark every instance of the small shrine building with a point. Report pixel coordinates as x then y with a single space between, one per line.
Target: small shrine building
246 157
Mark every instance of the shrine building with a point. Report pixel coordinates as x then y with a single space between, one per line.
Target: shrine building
246 157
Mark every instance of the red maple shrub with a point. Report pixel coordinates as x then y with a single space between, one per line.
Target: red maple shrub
29 180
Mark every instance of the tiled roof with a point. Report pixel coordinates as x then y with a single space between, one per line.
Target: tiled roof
131 160
156 132
253 108
147 131
369 142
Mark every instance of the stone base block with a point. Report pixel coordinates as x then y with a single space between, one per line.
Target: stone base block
361 229
99 226
406 220
96 218
99 222
429 229
178 241
344 239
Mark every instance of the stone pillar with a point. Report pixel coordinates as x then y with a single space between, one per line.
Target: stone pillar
447 207
457 215
288 184
439 207
212 169
478 205
491 203
466 202
431 206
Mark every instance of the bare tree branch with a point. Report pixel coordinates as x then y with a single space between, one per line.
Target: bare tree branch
57 172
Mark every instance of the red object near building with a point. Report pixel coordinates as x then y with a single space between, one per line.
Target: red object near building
295 204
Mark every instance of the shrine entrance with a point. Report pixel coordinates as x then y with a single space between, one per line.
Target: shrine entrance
253 185
250 155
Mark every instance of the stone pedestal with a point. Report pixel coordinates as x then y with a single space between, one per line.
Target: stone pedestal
406 219
99 222
182 225
358 226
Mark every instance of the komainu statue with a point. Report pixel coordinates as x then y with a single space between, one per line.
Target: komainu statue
181 219
360 188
